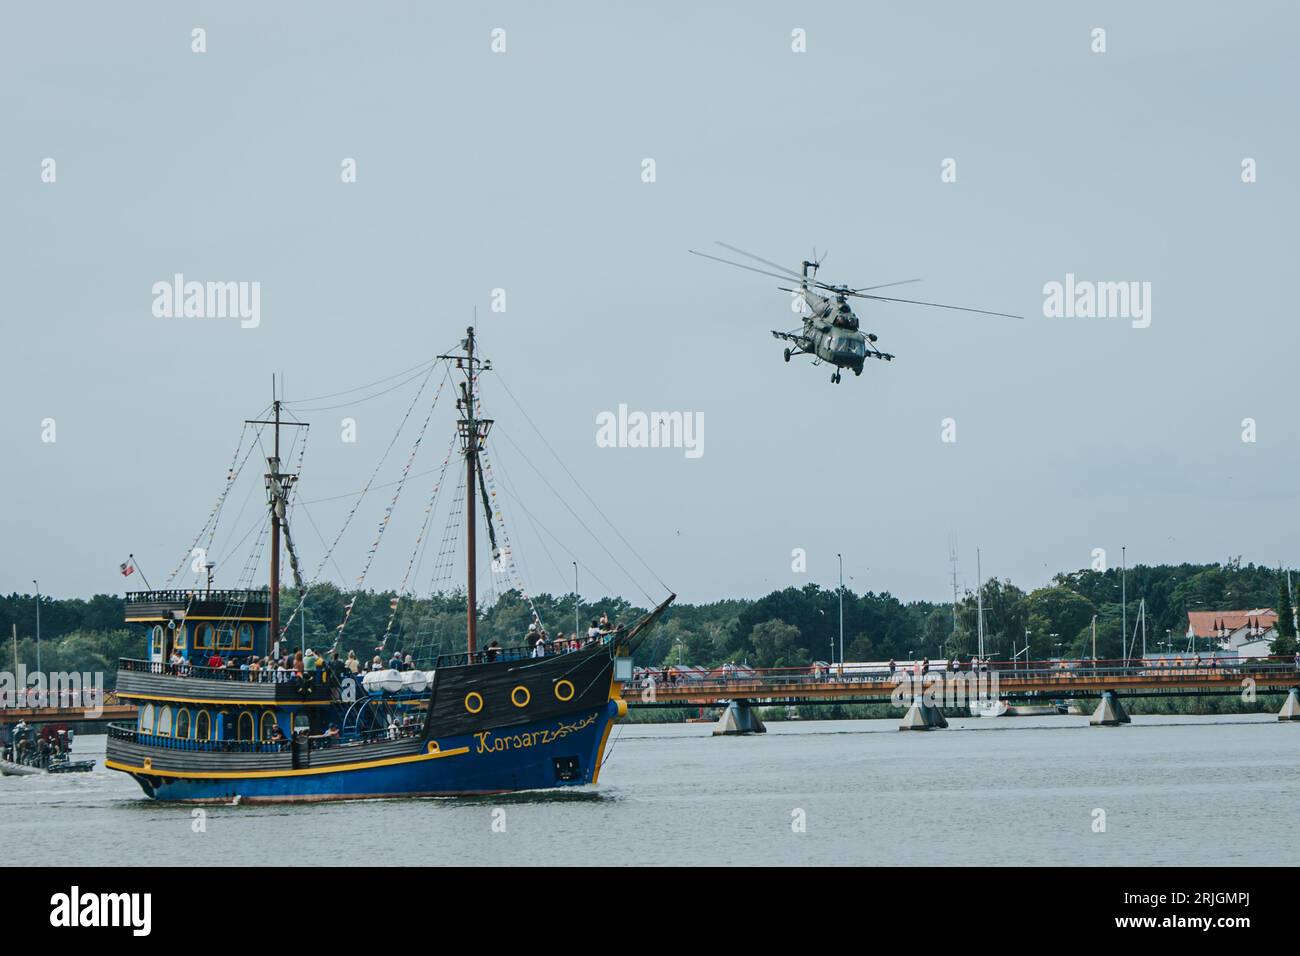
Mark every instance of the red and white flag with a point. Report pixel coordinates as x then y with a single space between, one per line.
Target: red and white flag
128 568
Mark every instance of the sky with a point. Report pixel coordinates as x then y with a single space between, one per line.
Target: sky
525 170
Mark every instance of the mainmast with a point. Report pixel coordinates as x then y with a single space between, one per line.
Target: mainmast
473 432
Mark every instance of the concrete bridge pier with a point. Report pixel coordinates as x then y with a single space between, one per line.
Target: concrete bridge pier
1291 709
922 716
1109 713
739 718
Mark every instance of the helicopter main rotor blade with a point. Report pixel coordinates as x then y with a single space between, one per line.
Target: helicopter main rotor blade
845 290
883 285
936 305
740 265
750 255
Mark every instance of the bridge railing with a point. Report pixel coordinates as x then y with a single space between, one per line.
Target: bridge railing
1061 671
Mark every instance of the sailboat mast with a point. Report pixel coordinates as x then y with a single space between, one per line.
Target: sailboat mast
273 483
473 433
471 455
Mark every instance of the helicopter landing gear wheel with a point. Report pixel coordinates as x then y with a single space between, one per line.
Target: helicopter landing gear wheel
787 355
835 377
858 370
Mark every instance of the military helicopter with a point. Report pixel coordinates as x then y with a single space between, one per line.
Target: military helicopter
830 330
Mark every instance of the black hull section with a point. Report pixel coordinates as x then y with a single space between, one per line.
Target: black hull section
511 693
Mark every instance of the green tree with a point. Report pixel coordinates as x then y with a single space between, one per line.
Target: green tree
776 644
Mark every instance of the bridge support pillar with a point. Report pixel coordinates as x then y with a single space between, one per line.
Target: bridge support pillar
1291 709
1110 712
739 718
922 716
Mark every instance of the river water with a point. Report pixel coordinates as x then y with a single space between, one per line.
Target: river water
1004 791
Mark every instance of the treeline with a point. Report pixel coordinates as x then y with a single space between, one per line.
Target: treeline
788 628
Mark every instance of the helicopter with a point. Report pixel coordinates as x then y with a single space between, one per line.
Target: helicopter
830 330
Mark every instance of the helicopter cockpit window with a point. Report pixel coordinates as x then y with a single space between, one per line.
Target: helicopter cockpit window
849 344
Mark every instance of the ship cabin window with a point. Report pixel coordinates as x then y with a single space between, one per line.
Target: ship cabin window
225 637
179 639
146 719
203 726
245 637
203 636
245 726
183 724
268 722
158 640
165 722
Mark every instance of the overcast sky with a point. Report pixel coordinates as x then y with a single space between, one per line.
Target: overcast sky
523 171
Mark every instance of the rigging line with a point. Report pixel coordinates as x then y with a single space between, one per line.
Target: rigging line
580 488
424 526
510 491
608 590
517 570
230 552
360 388
352 513
388 514
232 473
316 528
358 401
501 431
387 484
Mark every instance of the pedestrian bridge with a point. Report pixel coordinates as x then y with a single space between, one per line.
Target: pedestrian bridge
926 692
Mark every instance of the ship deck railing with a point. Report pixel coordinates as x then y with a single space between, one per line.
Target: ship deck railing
185 595
521 651
195 672
130 734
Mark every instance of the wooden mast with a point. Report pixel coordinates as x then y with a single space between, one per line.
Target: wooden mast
277 488
273 483
473 432
471 456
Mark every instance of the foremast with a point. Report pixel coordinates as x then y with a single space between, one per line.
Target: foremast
278 484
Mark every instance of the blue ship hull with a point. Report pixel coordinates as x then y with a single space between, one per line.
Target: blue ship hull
523 757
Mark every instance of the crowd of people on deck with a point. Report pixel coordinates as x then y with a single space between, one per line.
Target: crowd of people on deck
541 644
278 667
274 668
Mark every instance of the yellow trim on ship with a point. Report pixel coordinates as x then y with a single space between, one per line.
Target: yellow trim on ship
162 617
245 774
217 700
615 695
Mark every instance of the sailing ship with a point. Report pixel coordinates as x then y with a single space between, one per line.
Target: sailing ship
480 721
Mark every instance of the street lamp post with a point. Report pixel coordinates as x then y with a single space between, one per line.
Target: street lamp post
841 558
576 600
38 626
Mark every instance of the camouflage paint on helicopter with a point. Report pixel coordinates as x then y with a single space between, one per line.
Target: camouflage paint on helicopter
830 330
